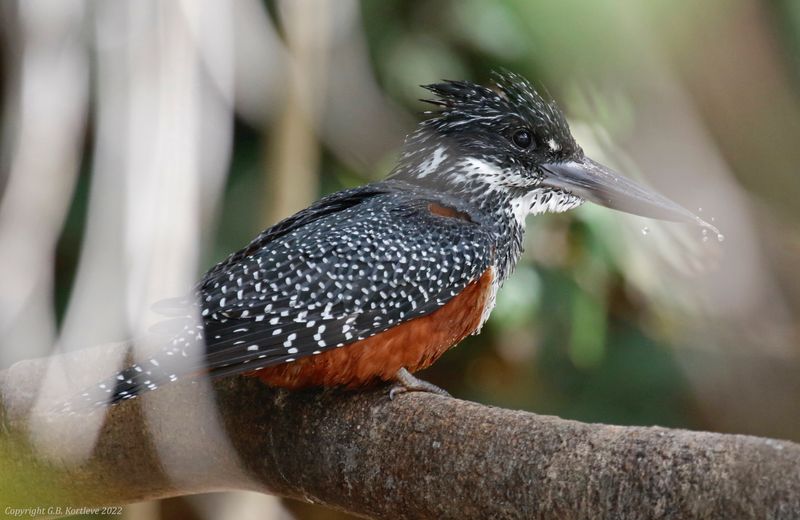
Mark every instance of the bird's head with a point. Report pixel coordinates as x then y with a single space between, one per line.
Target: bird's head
510 139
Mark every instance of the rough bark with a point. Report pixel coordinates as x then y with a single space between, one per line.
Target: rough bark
419 456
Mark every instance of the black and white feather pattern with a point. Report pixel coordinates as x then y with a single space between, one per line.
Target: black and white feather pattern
360 261
352 265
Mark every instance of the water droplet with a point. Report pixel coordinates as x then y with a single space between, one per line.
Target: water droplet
705 227
645 230
713 219
699 210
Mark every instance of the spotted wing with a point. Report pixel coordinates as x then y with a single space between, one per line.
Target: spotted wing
350 266
343 277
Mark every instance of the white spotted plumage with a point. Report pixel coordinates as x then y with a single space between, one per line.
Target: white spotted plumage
361 261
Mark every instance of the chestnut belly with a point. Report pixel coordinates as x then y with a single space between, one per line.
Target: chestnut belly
413 345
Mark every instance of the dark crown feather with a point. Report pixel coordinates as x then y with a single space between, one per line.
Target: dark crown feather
462 102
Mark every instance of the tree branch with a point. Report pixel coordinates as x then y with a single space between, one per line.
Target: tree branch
419 456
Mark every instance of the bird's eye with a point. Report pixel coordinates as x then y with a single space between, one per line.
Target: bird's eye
522 138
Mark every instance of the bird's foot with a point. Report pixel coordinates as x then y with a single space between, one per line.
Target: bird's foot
406 382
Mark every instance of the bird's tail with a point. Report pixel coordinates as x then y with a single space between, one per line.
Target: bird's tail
128 383
182 346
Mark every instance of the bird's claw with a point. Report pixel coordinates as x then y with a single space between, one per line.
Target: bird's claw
405 382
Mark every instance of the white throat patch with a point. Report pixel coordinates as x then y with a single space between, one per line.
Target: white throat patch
543 200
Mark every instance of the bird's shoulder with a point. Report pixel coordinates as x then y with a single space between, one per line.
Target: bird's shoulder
389 214
353 252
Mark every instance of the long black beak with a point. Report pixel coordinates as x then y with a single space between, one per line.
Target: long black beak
594 182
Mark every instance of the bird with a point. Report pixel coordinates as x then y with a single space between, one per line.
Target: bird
373 283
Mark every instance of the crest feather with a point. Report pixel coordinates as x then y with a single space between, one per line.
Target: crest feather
462 102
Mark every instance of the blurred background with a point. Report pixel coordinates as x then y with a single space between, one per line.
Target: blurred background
142 141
